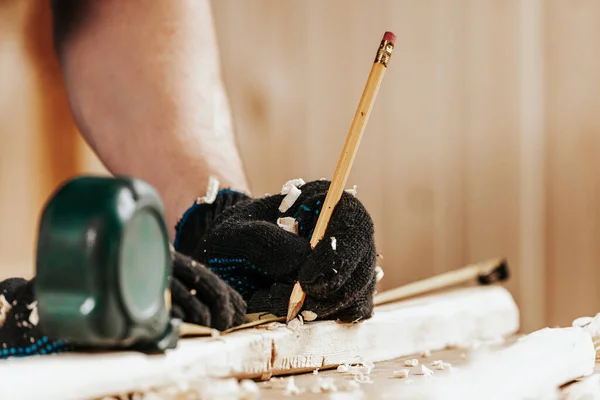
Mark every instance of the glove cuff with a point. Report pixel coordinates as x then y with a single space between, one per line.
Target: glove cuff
200 217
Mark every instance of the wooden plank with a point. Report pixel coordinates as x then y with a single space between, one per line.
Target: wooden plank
536 366
427 323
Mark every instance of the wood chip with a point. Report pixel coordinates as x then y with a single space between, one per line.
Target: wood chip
441 365
295 323
402 373
324 385
290 199
411 363
308 315
426 354
333 243
291 389
288 224
34 317
4 308
351 191
378 273
426 371
249 389
211 191
343 368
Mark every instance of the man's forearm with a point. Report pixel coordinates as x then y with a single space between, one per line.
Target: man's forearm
144 83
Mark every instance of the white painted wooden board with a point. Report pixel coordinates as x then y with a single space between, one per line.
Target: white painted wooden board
533 368
427 323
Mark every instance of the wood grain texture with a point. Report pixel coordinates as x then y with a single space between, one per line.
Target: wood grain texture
428 323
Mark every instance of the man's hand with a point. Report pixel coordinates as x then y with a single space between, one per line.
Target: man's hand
198 296
239 239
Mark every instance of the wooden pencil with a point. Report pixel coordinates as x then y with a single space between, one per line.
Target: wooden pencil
344 165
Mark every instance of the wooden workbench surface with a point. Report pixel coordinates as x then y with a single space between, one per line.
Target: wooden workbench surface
385 386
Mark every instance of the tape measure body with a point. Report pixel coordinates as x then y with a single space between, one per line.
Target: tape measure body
103 265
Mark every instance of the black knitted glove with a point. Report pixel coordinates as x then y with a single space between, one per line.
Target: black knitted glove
239 239
20 333
201 297
198 296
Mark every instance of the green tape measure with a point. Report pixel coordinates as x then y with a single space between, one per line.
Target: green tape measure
103 266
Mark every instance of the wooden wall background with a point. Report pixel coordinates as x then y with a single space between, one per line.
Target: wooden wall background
484 139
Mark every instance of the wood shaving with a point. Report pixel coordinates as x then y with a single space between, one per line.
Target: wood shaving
441 365
411 363
368 367
591 326
402 373
278 383
348 385
308 315
324 385
582 321
363 368
4 309
295 323
360 378
426 371
380 256
333 243
288 224
378 273
34 317
290 199
316 371
211 191
291 389
249 389
298 182
343 368
426 354
351 191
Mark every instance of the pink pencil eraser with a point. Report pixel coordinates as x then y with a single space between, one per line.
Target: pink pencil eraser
390 37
